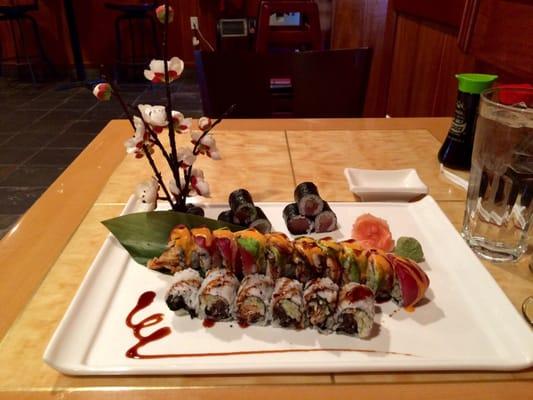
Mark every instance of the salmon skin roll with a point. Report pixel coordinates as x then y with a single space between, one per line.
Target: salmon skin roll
380 276
309 201
225 249
278 256
253 300
410 281
202 249
177 256
326 220
353 259
296 224
332 251
182 296
287 306
242 206
217 294
308 258
320 299
251 245
355 310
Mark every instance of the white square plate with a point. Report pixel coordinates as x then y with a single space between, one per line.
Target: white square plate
385 185
465 322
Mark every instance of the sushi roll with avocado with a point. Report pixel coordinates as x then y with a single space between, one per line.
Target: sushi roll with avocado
217 294
251 245
410 281
353 259
278 256
296 224
355 310
182 296
253 300
287 305
242 207
202 249
177 255
332 250
225 249
320 299
308 200
309 259
379 275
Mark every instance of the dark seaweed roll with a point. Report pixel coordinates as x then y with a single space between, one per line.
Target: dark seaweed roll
296 224
226 216
217 295
355 310
287 305
320 298
261 223
253 300
309 202
242 206
326 221
182 296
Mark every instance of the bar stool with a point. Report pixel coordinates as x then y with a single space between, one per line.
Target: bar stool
16 14
307 36
129 13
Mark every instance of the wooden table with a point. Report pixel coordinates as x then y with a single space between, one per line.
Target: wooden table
48 252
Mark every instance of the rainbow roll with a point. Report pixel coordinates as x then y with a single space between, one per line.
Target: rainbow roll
202 249
278 254
410 281
353 258
309 259
225 249
380 276
332 251
251 257
177 255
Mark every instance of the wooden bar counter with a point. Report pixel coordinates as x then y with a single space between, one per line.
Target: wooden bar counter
47 254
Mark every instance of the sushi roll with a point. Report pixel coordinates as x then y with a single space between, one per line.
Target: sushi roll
278 256
261 223
242 207
355 310
296 224
182 296
326 220
353 258
251 257
308 258
410 281
287 306
195 210
225 250
320 299
177 255
379 275
253 300
216 296
332 250
226 216
309 202
202 250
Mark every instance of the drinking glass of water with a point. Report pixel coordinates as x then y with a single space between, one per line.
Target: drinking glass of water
498 207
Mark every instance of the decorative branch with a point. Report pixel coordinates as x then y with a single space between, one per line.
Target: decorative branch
158 176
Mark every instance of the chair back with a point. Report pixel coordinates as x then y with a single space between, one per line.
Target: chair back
306 35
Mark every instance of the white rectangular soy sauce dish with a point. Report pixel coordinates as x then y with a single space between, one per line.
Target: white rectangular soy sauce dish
465 322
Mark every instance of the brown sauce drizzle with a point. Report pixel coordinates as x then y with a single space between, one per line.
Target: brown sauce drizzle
147 298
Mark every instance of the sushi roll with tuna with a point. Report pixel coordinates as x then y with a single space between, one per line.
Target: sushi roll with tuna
410 281
355 310
177 255
320 299
379 275
202 249
309 259
332 250
309 202
225 249
287 305
278 256
353 259
326 220
182 296
217 294
242 206
253 300
296 224
251 245
261 222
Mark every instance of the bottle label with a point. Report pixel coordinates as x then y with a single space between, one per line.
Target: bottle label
458 128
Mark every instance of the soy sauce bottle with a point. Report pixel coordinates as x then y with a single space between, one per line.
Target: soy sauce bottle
456 151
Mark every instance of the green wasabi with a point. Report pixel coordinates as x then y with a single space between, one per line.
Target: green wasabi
409 247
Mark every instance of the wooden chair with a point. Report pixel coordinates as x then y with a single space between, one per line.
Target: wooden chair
307 36
303 84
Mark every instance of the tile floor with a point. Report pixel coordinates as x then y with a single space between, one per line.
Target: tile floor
43 129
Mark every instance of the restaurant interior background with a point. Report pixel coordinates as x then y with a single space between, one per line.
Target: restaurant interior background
51 49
